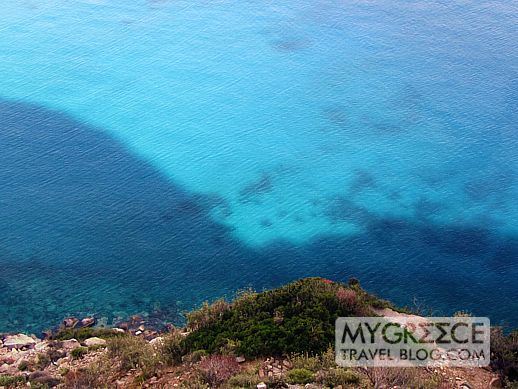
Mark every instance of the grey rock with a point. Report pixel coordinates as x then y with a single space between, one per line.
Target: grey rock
88 322
70 344
95 342
156 341
70 322
19 341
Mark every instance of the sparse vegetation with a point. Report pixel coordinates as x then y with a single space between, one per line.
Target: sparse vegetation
383 377
504 356
173 349
81 334
244 379
42 361
134 353
11 381
195 356
79 352
23 365
216 369
338 376
96 376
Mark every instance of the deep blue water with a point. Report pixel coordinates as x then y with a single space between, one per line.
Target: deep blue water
154 154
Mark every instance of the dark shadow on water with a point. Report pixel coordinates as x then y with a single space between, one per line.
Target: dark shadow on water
88 227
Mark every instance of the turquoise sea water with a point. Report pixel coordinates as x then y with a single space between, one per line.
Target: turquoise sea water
154 154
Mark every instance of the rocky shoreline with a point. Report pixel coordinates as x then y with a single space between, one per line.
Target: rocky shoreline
51 357
211 351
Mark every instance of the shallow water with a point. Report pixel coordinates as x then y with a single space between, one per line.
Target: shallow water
157 153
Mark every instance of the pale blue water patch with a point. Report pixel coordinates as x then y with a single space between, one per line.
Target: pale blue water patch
328 137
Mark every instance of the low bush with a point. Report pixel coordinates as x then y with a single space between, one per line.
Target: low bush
10 381
134 353
79 352
245 379
195 356
81 334
216 369
23 366
172 349
42 361
97 375
504 355
300 376
206 314
306 361
193 383
403 377
336 377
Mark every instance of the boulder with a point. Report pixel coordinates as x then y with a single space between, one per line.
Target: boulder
156 341
70 344
88 322
94 342
240 359
19 341
70 322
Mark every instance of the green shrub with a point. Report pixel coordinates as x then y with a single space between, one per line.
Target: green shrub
134 353
172 349
23 365
81 334
193 383
195 356
296 318
245 379
95 376
300 376
338 376
79 352
42 361
504 354
10 381
306 361
206 314
96 347
63 371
